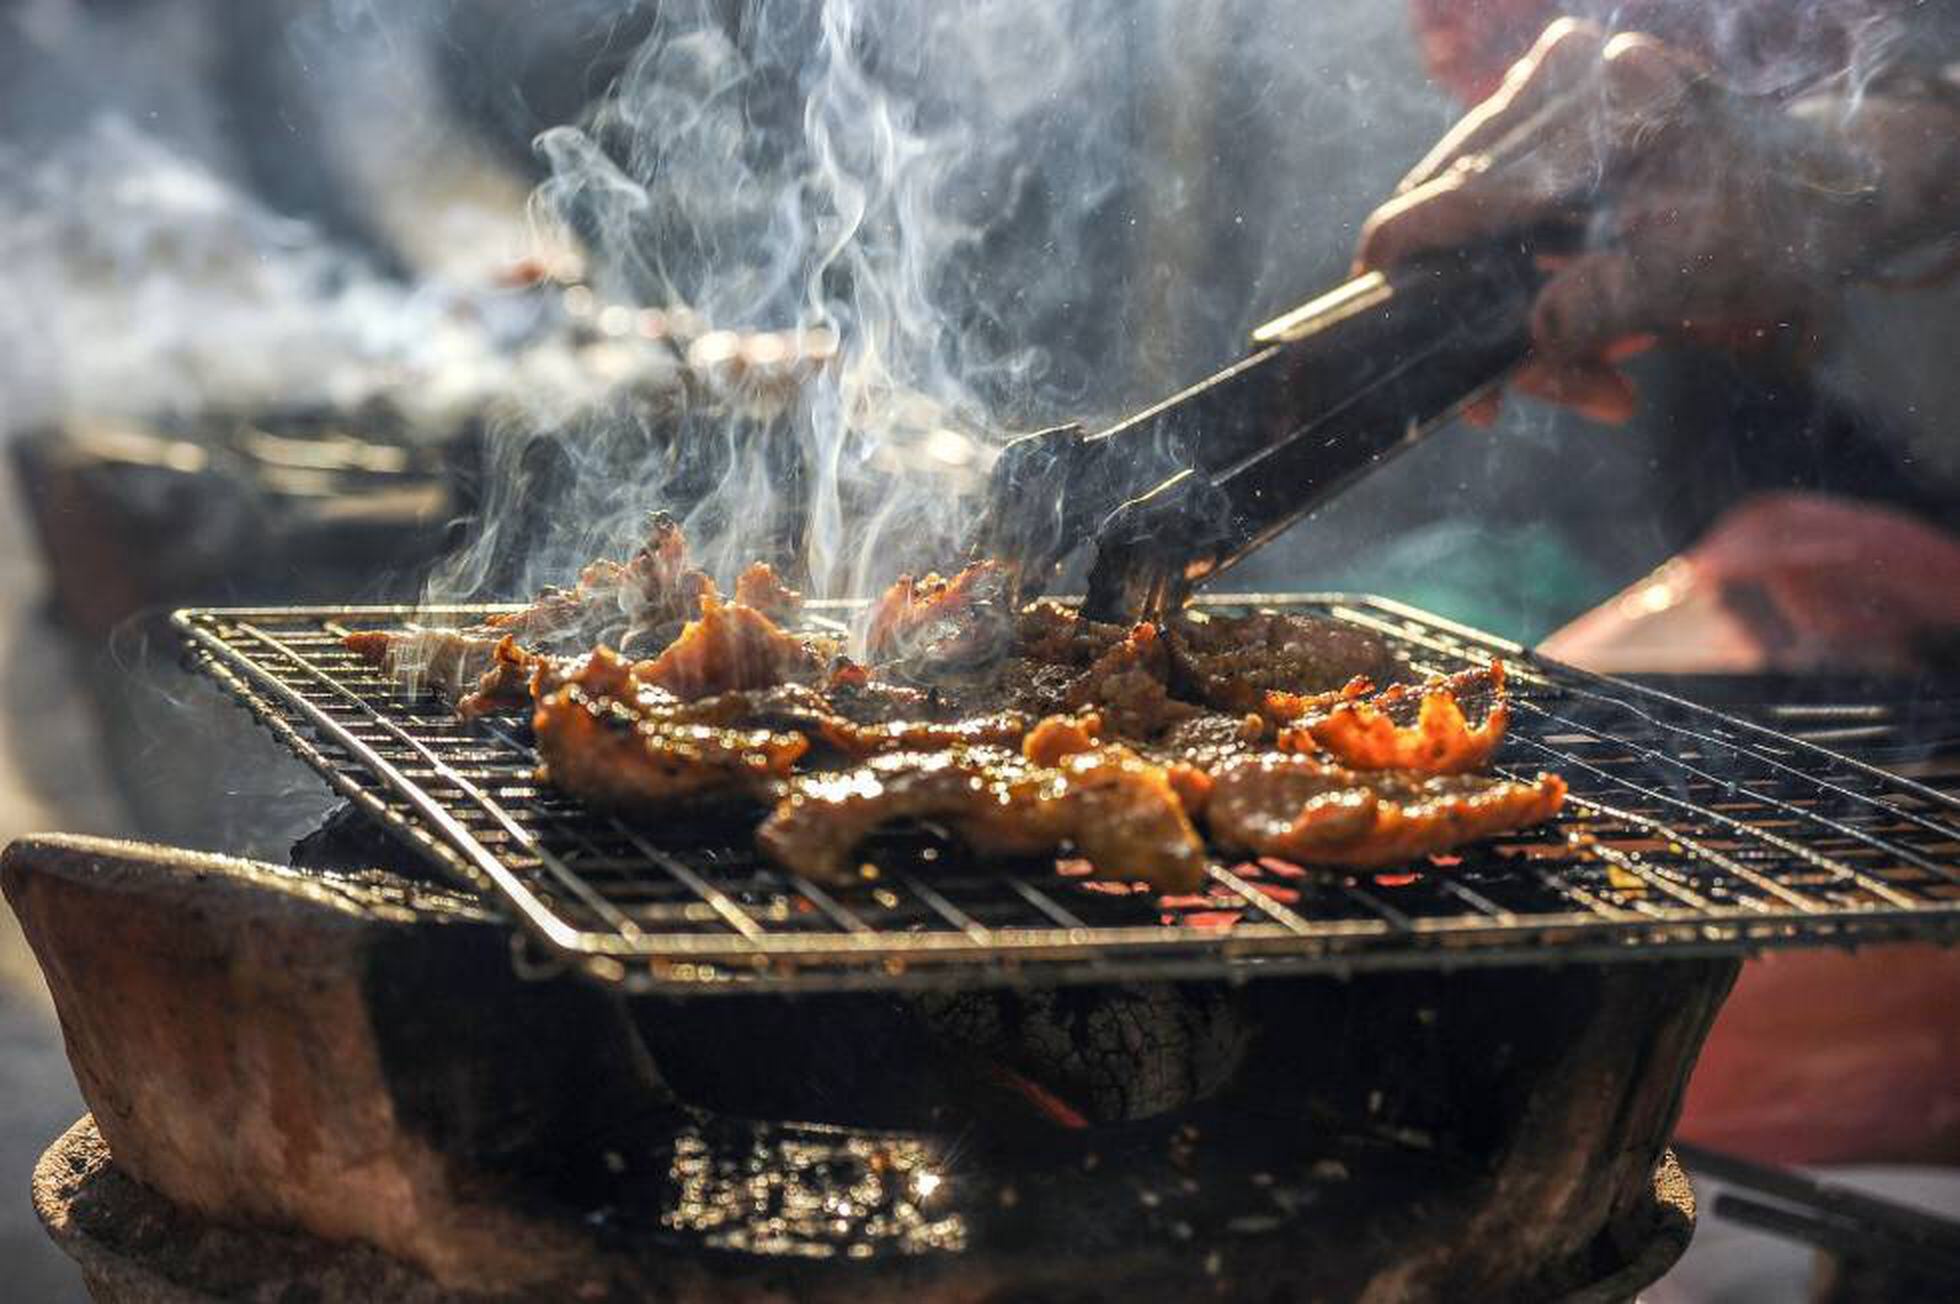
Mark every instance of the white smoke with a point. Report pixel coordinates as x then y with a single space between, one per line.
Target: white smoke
916 182
141 283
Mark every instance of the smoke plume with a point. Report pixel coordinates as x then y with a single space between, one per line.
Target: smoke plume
931 191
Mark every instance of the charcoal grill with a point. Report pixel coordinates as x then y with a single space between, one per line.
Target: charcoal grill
1687 832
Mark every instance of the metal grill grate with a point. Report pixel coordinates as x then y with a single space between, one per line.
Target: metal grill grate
1687 832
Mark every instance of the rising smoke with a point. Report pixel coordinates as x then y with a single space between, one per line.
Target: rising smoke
936 188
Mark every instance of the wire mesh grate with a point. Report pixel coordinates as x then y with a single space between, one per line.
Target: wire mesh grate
1686 832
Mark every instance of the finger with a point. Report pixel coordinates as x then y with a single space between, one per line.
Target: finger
1590 388
1643 76
1561 58
1639 88
1445 214
1579 117
1542 170
1594 301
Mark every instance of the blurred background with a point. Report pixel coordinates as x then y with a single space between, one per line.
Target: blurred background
352 300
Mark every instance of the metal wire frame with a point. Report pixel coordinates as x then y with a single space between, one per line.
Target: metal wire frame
1686 832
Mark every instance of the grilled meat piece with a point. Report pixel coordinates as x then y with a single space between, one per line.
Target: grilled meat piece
730 647
943 622
445 661
1187 769
477 668
1129 687
506 685
656 586
857 693
641 599
1232 662
611 740
1061 736
1119 812
1363 735
655 589
1283 708
1214 735
1065 665
761 588
1049 633
815 715
997 729
1303 809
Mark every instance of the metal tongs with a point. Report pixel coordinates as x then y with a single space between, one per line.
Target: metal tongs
1182 491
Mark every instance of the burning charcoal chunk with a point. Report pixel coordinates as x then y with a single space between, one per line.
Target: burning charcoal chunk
1103 1055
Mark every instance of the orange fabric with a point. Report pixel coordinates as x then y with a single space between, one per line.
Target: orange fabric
1784 581
1827 1057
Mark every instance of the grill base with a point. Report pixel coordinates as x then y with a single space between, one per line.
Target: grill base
137 1247
249 1027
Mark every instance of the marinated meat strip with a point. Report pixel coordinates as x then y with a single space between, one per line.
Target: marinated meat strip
1214 735
642 599
997 729
1363 735
445 661
616 742
1069 665
1129 687
779 709
857 693
951 621
728 647
1014 683
1232 662
761 588
506 685
1116 810
1049 633
1284 708
654 590
815 715
1192 749
1303 809
1060 736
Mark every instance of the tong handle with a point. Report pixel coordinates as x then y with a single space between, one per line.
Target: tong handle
1344 383
1387 358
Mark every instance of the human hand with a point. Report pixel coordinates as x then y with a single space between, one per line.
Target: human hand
1711 217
